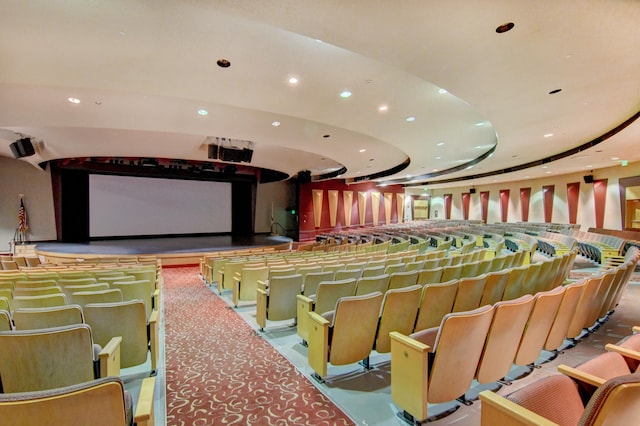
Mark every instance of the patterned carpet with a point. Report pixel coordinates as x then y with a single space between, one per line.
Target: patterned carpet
219 372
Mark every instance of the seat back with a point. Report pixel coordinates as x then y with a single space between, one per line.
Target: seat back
437 301
587 299
494 287
35 318
282 297
458 347
46 358
617 402
30 283
398 313
469 294
430 276
126 319
403 279
83 404
372 271
249 278
600 297
366 285
36 291
566 310
70 289
451 272
44 301
531 283
539 324
346 274
329 293
513 287
312 279
350 344
508 323
83 298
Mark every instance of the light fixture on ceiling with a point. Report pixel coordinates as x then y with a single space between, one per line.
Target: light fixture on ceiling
410 118
203 112
345 94
223 63
508 26
275 124
74 100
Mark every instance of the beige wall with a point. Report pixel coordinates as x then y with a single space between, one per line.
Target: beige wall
19 177
586 207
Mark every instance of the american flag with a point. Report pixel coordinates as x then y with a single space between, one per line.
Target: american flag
22 218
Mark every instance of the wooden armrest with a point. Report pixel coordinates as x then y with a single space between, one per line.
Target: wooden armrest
263 285
497 410
581 376
409 374
143 415
318 353
109 358
155 298
636 329
153 338
625 352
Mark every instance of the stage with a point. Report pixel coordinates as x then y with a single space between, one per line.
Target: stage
171 250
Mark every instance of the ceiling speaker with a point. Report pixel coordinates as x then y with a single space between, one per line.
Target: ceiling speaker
235 155
212 152
22 148
304 176
588 178
472 191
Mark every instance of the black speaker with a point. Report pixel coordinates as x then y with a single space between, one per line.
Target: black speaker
588 178
472 191
304 176
235 155
22 148
212 151
247 154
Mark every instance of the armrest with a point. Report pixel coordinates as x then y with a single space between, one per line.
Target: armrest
155 298
304 306
497 410
263 285
143 415
409 374
636 329
153 338
625 352
109 358
581 376
318 353
261 307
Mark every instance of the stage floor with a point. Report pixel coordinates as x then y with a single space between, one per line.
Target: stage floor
181 250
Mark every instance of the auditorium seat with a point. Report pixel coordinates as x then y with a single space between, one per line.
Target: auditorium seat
83 298
398 313
278 300
579 323
451 272
436 301
346 274
555 400
559 329
31 283
44 301
333 337
137 290
57 316
366 285
494 287
403 279
507 326
245 283
592 373
430 276
311 280
36 291
372 271
437 365
5 320
469 294
33 360
129 321
70 289
393 268
227 272
324 300
513 288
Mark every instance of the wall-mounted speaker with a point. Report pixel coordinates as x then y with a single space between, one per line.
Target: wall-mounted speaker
588 178
212 152
235 155
22 148
472 191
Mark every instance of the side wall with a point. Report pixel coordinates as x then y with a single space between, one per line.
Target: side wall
586 206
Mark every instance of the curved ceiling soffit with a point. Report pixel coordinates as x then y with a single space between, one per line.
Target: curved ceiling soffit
546 160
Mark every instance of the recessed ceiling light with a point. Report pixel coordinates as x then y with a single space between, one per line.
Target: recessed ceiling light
480 123
549 172
437 158
293 80
554 91
74 100
363 150
505 27
435 170
615 158
275 123
442 91
548 135
383 108
545 167
203 112
410 118
223 63
440 143
345 94
589 166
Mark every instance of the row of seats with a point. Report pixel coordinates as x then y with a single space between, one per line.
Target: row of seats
606 383
439 364
406 310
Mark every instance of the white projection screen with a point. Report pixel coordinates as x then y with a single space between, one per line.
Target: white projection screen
132 206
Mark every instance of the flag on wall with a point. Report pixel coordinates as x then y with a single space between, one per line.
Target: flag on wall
22 218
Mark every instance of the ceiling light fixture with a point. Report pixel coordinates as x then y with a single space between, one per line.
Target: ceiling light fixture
548 135
440 143
363 150
554 91
203 112
74 100
383 108
293 80
442 91
410 118
275 123
345 94
223 63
